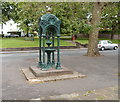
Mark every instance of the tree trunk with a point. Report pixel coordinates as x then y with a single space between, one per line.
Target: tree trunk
27 29
112 35
93 36
113 30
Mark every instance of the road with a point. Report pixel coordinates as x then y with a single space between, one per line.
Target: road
100 71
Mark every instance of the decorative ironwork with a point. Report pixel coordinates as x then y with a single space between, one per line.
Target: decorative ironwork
49 29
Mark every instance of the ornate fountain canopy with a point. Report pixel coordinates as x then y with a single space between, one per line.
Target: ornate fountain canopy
49 21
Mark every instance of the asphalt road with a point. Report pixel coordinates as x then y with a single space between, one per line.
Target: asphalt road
100 71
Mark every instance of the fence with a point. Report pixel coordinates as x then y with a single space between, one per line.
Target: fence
107 36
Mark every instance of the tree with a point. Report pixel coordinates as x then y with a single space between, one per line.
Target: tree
24 13
72 15
93 36
28 15
109 18
9 11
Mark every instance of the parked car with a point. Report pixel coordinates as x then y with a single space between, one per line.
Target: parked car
14 35
106 44
11 35
7 35
29 35
23 35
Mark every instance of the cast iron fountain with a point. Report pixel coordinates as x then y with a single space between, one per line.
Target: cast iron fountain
49 29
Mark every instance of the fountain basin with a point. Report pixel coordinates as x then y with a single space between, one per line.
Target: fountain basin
48 50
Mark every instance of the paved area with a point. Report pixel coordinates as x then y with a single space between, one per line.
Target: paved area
108 93
101 73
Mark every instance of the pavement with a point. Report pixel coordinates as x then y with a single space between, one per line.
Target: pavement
101 72
107 93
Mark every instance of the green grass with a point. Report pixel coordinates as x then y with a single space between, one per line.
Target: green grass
65 38
114 40
85 41
82 41
20 42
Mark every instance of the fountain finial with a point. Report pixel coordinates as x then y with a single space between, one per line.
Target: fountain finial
49 9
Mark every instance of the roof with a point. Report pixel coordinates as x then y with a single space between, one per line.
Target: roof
47 16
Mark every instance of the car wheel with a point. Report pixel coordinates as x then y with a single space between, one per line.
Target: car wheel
102 48
115 48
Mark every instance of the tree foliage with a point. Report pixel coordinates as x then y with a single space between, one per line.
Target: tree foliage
9 11
72 15
109 19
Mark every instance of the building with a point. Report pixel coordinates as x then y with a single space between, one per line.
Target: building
10 27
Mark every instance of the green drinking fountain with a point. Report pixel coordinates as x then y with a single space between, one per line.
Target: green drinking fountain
49 33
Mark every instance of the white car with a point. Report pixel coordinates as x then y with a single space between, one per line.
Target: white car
7 36
11 35
106 44
14 35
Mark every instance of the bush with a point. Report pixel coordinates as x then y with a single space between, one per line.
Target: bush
1 35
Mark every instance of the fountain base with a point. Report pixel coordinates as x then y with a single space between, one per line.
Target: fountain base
35 75
51 72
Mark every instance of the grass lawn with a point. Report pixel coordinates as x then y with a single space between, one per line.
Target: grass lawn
20 42
82 41
85 41
113 41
